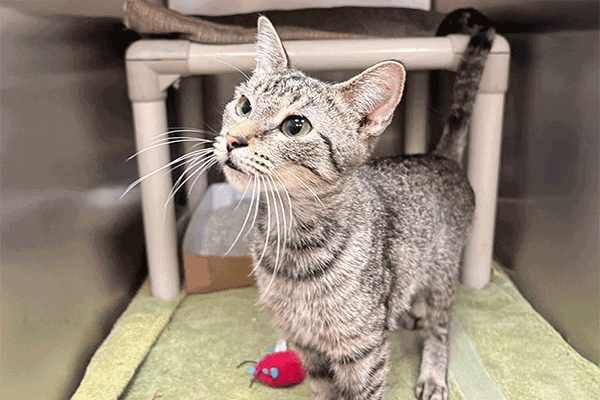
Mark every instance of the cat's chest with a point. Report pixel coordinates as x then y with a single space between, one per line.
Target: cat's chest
303 312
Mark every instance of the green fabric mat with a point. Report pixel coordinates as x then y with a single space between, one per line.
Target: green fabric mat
501 349
115 362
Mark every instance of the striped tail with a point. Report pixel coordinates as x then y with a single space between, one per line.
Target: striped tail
453 142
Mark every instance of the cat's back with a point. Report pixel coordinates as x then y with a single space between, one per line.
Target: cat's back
421 184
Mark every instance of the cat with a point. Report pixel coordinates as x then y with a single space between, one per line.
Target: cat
346 248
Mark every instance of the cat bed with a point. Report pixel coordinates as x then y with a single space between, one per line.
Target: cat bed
305 24
189 348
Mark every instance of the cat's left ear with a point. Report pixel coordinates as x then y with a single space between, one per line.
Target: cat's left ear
375 93
270 54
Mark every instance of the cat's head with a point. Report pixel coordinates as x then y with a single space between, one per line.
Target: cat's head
287 126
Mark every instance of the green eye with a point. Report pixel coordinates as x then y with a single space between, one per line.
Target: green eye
243 107
295 126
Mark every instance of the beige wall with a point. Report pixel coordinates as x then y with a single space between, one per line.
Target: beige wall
71 250
548 214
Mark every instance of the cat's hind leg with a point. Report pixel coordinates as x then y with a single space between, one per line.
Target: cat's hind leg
439 297
432 382
414 318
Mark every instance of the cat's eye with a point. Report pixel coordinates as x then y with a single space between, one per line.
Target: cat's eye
243 107
295 126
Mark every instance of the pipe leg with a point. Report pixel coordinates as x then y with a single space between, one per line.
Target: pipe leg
161 240
484 162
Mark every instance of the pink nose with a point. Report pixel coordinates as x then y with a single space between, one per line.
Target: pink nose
235 141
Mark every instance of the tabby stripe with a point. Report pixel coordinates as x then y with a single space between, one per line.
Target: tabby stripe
331 153
315 172
309 238
376 368
374 390
322 266
307 244
315 270
359 355
360 393
322 373
365 391
312 240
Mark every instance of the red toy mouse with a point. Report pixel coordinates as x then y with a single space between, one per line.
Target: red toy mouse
279 368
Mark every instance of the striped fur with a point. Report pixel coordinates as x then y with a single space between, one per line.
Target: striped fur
345 249
454 138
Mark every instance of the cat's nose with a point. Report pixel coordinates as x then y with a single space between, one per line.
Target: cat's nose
235 141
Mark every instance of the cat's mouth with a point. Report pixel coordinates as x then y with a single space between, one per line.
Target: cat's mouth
231 165
235 175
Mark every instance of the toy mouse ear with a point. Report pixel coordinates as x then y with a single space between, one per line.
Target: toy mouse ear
270 53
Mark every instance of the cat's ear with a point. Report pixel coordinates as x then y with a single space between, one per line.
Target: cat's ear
270 54
375 93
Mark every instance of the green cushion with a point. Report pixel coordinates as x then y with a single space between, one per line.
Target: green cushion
500 349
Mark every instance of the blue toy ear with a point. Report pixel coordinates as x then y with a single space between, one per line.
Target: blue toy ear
260 359
274 372
251 370
271 351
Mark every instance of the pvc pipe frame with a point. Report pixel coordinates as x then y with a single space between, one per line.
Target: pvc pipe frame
154 65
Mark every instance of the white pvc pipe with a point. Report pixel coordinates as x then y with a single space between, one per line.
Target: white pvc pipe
484 162
150 119
414 53
416 97
152 66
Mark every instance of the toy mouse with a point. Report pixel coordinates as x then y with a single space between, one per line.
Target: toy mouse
279 368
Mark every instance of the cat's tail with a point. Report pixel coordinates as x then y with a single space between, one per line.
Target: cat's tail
453 142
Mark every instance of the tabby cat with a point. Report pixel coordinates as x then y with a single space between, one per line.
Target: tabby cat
347 249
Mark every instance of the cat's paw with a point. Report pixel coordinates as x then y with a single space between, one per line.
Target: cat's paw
431 388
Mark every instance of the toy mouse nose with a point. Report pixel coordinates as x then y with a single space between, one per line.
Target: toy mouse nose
235 141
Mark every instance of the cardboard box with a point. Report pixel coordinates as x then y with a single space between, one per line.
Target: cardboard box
213 227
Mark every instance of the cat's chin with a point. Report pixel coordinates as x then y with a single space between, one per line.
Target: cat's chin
236 178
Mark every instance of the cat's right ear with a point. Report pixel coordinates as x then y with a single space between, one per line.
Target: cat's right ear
270 54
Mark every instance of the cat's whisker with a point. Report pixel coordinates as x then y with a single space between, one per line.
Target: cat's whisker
288 197
205 124
244 194
182 160
203 158
256 209
190 138
168 141
179 160
253 179
308 187
206 163
268 225
269 181
280 255
196 145
282 213
213 162
184 130
232 66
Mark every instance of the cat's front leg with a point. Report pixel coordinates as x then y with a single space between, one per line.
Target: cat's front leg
318 368
361 376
